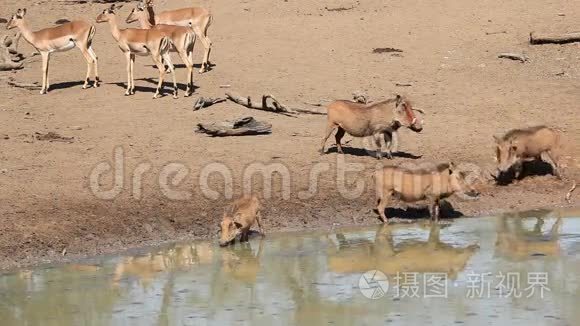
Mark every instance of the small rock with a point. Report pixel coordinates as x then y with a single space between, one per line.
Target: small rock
4 171
76 128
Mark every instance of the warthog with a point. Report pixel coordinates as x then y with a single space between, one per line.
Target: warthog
424 184
521 145
238 219
362 120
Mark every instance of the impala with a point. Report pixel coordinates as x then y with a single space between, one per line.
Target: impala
58 39
182 39
133 41
196 18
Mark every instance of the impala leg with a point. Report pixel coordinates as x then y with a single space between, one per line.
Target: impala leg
208 42
95 65
161 67
128 57
184 57
206 45
89 60
172 70
45 60
133 74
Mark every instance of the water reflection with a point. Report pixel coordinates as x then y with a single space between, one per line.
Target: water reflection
518 242
410 255
312 278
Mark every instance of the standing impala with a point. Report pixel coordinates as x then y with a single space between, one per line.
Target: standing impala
133 41
196 18
182 39
58 39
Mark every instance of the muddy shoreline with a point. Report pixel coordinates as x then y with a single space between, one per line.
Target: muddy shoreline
91 235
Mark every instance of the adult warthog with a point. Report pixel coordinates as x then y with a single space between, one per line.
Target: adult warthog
522 145
375 119
431 185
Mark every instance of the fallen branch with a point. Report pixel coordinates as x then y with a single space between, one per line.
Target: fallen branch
241 127
387 50
513 56
569 194
275 106
339 8
536 38
493 33
203 102
53 137
28 86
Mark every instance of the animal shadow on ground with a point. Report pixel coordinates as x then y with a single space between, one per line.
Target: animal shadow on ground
366 152
166 83
65 85
182 66
421 212
531 168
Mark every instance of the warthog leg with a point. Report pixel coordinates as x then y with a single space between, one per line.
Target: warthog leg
518 167
434 211
382 205
548 157
379 147
338 137
329 128
258 216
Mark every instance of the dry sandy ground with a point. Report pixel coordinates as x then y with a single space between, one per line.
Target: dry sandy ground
301 52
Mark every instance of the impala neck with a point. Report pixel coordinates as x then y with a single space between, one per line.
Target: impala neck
145 22
115 28
26 32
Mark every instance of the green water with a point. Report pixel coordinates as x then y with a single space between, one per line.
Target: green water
436 275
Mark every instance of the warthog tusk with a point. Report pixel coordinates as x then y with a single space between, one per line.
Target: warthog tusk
414 120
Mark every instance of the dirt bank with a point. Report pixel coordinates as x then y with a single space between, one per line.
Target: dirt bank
302 53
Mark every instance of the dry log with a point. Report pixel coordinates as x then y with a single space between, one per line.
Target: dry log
9 56
513 56
241 127
203 102
537 38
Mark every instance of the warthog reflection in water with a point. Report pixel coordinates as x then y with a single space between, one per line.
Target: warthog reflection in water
517 243
431 256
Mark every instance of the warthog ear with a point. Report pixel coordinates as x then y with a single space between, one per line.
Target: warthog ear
238 224
497 138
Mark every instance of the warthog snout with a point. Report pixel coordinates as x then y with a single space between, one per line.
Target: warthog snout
416 126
